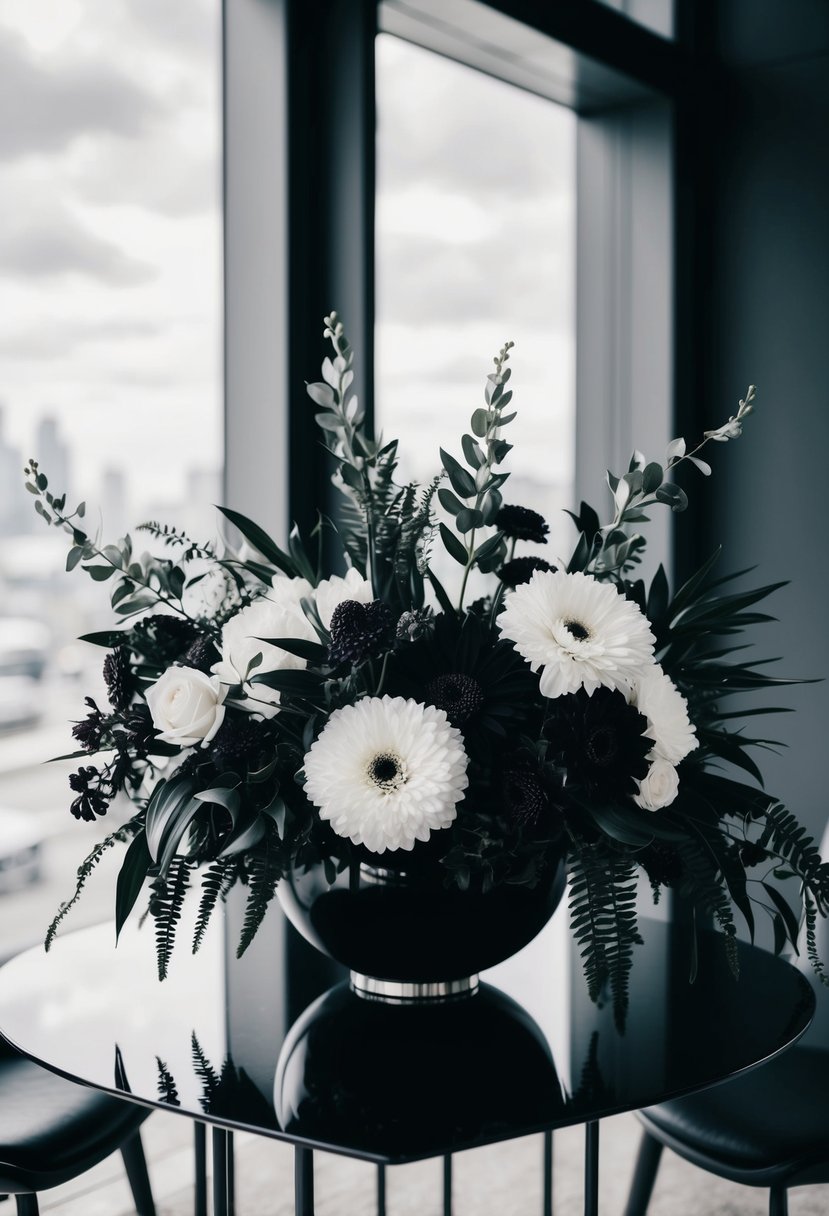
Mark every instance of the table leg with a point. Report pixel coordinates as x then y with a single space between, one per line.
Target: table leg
591 1169
303 1181
547 1202
200 1162
447 1185
223 1198
381 1190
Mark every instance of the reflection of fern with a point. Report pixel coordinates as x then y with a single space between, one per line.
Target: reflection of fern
204 1070
166 904
811 938
119 836
265 868
166 1084
216 882
704 884
603 921
783 836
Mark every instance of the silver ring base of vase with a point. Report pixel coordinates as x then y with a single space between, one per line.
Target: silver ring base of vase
413 992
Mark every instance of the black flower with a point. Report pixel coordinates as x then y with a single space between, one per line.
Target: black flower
525 798
201 654
241 739
601 741
89 733
521 569
520 523
91 801
118 678
662 864
163 638
359 631
458 695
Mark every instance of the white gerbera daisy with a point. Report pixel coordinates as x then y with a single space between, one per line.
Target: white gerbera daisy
577 632
242 640
332 591
657 697
386 772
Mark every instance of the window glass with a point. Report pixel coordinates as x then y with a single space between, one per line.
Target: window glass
110 262
655 15
475 246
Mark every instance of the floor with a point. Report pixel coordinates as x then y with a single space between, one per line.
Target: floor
503 1180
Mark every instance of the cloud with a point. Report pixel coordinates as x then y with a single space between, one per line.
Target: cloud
51 100
45 240
60 338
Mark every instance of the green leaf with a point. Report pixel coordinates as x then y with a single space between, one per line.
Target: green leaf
468 519
294 683
462 483
74 556
221 796
260 540
453 546
652 477
786 913
313 652
248 837
673 495
440 591
100 573
322 394
106 637
449 502
480 423
131 877
473 452
168 804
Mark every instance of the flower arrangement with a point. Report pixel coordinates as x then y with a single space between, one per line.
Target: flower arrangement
266 714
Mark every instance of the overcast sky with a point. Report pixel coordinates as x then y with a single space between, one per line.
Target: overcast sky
110 248
110 242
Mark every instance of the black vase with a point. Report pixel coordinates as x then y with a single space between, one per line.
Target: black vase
402 931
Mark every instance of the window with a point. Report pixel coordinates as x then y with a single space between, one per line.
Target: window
110 337
475 246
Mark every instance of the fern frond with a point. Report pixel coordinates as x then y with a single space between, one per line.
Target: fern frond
216 882
166 904
119 836
603 921
166 1084
205 1071
785 838
704 884
178 539
265 868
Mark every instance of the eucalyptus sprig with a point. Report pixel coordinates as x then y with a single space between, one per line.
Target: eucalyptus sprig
475 498
606 552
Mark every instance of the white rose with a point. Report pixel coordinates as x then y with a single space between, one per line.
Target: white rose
659 787
186 706
242 641
335 590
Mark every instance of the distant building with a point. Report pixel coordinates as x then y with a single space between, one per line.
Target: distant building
52 454
16 514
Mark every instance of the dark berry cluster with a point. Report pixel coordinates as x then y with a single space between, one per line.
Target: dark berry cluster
521 569
91 800
521 523
90 732
201 654
118 677
359 631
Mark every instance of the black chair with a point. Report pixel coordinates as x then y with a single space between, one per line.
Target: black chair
769 1128
52 1130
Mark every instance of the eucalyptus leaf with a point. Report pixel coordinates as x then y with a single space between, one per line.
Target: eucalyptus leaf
453 546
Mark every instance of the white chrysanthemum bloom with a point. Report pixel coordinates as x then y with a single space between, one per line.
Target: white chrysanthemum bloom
333 591
386 772
658 787
657 697
242 641
577 632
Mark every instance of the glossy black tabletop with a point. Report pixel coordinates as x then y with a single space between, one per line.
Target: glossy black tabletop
233 1043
